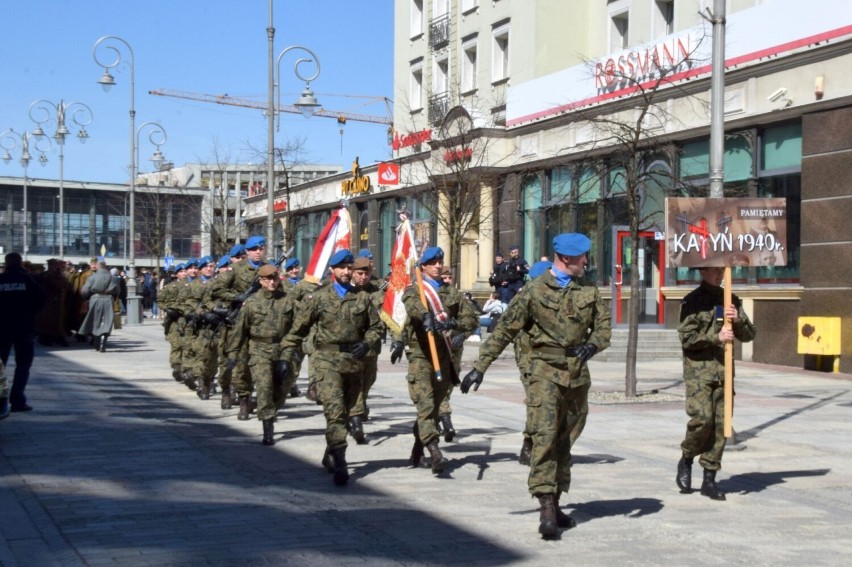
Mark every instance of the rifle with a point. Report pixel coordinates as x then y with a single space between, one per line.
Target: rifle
172 315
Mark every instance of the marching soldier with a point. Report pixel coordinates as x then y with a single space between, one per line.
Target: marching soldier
233 288
703 337
264 319
291 279
568 323
200 361
448 311
347 327
362 280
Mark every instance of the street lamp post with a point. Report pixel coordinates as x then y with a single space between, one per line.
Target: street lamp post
112 43
307 103
81 115
10 140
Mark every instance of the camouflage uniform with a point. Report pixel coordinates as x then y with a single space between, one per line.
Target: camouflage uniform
425 391
299 293
704 371
339 324
169 299
263 321
200 345
557 320
376 294
225 289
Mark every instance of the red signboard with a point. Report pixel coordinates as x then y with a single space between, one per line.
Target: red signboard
388 174
413 139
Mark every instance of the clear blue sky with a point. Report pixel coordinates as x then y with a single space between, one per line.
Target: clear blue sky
203 46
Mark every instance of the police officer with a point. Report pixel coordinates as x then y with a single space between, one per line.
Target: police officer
703 337
517 271
233 288
568 323
347 327
448 311
264 319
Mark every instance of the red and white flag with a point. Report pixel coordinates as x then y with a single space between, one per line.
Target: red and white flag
402 261
336 235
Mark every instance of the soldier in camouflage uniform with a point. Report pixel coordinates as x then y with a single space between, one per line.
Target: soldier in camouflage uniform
173 323
703 337
347 327
264 319
225 374
292 269
200 360
457 339
232 289
568 323
427 393
362 280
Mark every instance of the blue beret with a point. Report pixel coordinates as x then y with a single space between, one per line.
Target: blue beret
364 253
571 244
223 261
192 262
204 260
539 268
292 262
180 267
433 253
341 257
237 250
255 242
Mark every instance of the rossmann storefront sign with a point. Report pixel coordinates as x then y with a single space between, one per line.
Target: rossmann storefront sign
769 31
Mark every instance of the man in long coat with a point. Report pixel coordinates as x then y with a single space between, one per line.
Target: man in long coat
100 289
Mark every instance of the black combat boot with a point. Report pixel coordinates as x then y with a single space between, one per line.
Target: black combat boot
439 463
203 391
563 520
341 475
245 411
102 343
295 392
312 392
547 526
177 373
526 452
709 487
684 475
356 429
328 461
447 427
226 398
189 380
268 431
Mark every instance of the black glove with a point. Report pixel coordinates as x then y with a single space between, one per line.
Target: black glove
457 342
471 378
360 350
429 323
281 371
447 325
586 352
397 348
173 313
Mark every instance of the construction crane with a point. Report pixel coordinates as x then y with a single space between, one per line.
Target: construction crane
342 117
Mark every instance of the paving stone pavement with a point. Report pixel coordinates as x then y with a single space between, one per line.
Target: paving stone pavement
119 465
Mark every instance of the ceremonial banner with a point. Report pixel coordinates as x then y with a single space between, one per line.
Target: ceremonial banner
726 232
402 261
336 235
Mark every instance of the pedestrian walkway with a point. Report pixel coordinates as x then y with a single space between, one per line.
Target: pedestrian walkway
120 465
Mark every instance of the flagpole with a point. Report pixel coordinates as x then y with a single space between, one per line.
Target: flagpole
433 349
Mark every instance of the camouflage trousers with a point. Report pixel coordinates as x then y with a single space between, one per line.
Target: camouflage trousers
240 377
200 354
175 338
705 430
427 394
338 391
270 395
371 367
554 411
525 382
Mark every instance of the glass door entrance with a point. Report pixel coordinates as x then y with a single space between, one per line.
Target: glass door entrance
649 262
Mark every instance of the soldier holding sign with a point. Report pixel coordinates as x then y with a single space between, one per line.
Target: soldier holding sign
703 335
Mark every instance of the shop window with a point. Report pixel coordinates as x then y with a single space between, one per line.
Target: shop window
532 200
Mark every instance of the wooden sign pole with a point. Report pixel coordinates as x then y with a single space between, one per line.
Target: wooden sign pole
729 361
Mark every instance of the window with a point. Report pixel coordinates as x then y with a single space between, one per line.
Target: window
415 87
619 16
500 53
468 64
468 5
416 18
440 75
663 18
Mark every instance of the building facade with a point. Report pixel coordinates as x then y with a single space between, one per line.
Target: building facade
507 100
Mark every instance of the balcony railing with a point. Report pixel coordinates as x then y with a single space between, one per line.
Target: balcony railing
439 32
439 105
